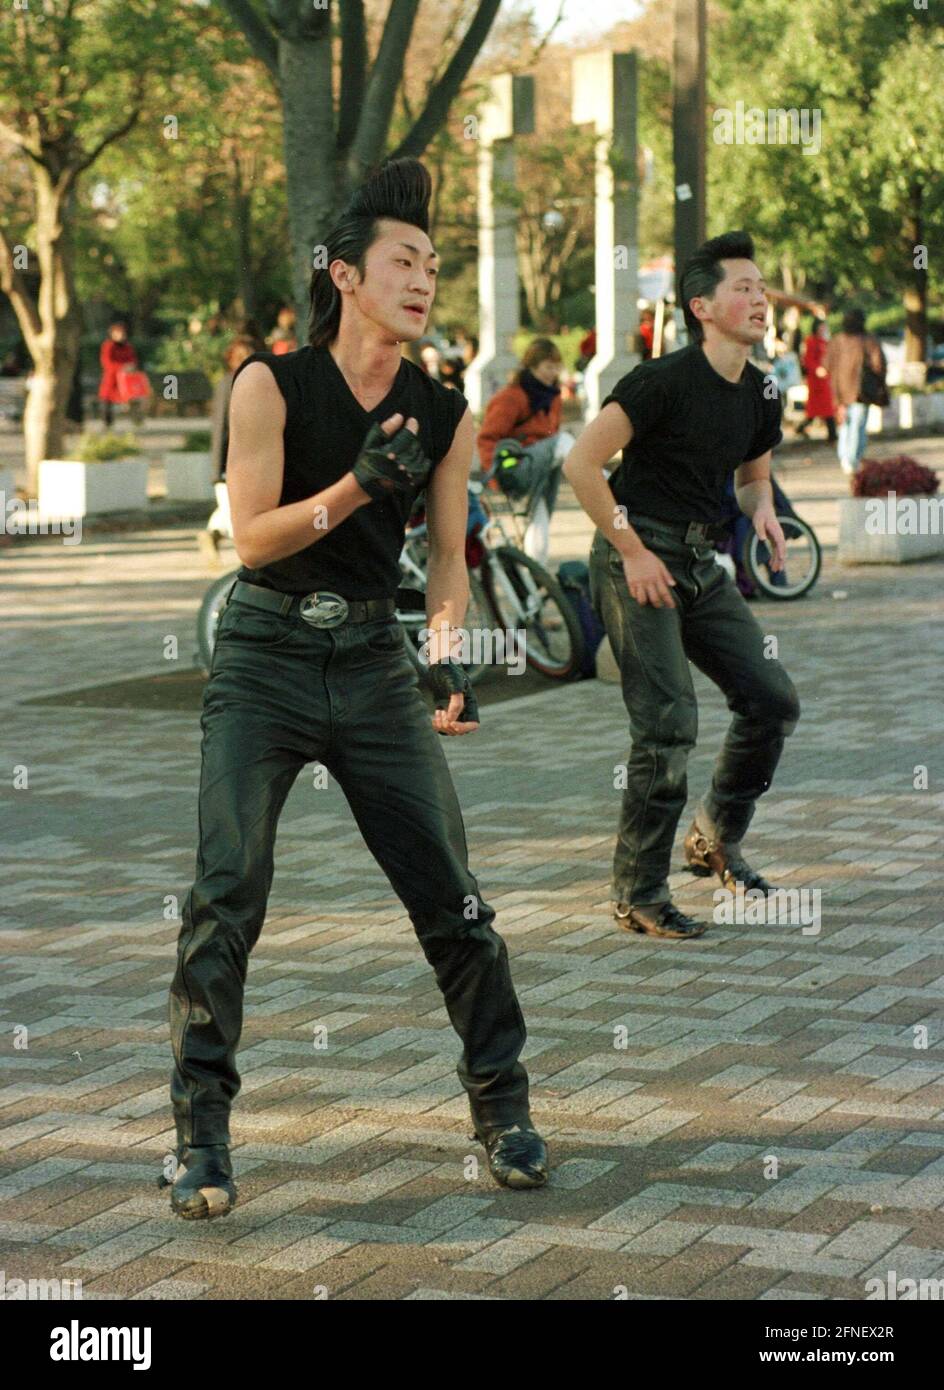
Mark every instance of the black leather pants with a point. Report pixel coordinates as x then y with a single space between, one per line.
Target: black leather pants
282 693
713 627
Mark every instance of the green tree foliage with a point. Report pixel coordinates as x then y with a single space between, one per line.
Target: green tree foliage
840 220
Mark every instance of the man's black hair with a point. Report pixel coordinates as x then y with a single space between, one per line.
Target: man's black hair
703 273
853 321
397 188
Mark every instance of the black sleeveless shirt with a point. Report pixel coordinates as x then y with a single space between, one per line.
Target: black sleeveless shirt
325 426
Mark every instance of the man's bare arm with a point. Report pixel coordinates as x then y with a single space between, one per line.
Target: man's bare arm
752 484
447 576
447 511
647 578
583 468
262 530
755 497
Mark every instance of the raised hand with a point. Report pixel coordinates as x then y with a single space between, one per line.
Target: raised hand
391 459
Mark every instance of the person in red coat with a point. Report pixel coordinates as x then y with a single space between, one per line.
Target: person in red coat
115 354
647 332
282 338
819 393
588 349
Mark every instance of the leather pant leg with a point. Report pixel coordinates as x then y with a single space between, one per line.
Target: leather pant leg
725 641
391 766
256 737
281 694
713 627
663 722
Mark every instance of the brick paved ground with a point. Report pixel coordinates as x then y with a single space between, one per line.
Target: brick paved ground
673 1080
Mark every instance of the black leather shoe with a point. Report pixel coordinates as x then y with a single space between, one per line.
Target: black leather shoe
705 856
664 919
517 1155
203 1187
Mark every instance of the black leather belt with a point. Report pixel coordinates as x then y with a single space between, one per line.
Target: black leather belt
323 608
690 532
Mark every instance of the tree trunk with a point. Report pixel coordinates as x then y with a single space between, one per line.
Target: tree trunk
147 298
916 292
242 217
53 340
305 73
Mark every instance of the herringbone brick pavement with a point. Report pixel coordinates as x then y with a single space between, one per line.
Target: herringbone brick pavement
754 1115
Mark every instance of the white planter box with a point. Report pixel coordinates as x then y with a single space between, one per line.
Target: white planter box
68 487
914 410
879 419
920 410
189 477
7 498
862 543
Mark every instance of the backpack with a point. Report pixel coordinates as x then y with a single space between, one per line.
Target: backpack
574 578
513 468
873 390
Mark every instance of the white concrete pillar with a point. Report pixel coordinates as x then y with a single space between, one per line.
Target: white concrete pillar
604 94
508 112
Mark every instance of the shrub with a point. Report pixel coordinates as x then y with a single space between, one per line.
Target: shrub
901 474
102 448
928 389
195 442
180 352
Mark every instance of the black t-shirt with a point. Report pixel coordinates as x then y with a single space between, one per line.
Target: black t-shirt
325 426
691 429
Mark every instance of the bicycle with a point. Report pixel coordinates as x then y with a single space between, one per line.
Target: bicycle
414 559
509 594
751 555
209 615
412 619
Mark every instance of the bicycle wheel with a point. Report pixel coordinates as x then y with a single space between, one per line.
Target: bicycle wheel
209 616
803 561
525 597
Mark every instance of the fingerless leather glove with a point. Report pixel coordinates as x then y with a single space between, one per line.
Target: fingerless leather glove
448 678
381 476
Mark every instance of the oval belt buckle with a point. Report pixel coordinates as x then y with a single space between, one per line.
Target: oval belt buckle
323 610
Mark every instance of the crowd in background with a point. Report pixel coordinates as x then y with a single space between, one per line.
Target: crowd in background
527 410
844 374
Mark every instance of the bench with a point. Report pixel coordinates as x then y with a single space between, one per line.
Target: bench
194 395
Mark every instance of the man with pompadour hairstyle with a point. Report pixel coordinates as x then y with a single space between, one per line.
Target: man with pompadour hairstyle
329 447
684 424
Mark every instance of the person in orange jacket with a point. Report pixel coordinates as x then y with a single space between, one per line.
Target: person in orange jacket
115 355
527 413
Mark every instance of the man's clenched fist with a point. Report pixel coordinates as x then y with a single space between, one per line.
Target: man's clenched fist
389 464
